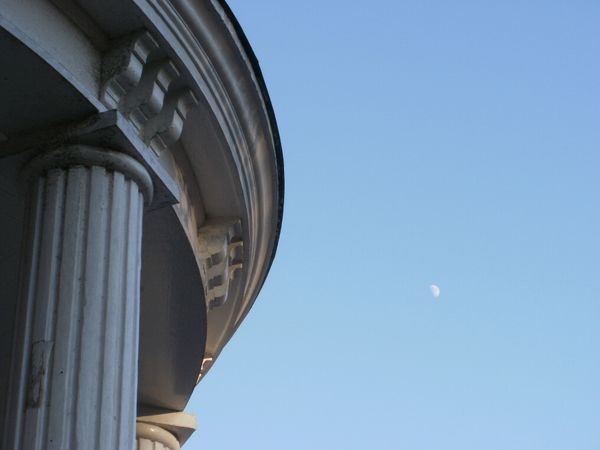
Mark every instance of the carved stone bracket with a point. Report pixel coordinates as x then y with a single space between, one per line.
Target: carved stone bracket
147 88
221 248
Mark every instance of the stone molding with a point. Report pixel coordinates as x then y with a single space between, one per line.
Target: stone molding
179 425
147 88
210 48
109 129
221 250
147 436
87 156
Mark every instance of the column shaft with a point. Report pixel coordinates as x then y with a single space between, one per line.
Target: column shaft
78 380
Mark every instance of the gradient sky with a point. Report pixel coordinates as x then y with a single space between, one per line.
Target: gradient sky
454 143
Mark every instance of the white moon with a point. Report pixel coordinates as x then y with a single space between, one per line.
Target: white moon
435 290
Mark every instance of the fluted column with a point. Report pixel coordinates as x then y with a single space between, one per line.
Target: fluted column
76 380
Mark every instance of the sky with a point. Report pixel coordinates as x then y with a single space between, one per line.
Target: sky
425 142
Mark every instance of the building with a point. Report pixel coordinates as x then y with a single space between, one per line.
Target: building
141 186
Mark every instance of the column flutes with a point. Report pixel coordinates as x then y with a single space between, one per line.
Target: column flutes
77 373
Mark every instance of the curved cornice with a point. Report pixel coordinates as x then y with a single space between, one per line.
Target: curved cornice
244 44
207 42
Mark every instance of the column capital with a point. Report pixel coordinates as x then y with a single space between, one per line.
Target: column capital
154 433
87 156
178 425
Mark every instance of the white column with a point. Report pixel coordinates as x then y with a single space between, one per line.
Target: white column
153 437
75 384
167 431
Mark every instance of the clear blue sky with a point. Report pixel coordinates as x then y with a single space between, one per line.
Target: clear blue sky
447 142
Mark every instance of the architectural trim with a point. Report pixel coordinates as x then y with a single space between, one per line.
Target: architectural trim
181 425
221 248
148 436
228 78
147 88
86 156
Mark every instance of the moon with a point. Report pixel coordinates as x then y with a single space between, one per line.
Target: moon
435 290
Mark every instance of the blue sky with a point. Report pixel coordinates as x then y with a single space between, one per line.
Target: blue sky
454 143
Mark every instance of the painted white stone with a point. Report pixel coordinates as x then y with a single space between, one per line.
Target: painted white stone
180 425
78 379
153 437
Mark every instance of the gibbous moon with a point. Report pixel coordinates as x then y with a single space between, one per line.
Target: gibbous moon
435 290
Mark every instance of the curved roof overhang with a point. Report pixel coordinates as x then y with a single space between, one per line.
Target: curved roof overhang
212 232
241 129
